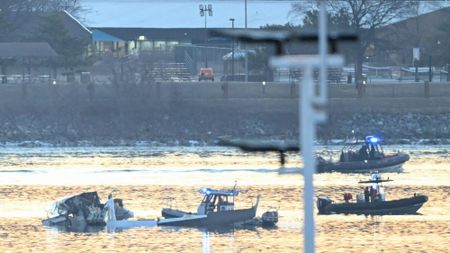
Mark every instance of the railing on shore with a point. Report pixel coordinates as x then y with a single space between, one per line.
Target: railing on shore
220 90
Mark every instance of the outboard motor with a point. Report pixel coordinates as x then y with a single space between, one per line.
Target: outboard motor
322 203
269 218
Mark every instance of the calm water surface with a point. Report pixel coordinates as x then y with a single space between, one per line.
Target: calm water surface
30 178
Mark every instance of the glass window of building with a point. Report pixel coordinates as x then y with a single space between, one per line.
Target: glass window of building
160 45
171 45
146 45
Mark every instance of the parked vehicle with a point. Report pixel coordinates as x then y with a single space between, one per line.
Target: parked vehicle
206 74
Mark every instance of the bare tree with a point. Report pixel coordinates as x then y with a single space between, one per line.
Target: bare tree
395 42
17 6
72 6
10 10
419 8
365 17
130 71
13 12
443 44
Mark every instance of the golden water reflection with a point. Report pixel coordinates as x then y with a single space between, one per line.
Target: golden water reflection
31 180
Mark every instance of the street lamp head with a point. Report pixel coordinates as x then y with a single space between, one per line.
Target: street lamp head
232 22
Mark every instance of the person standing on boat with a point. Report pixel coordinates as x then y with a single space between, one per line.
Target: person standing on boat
363 154
111 208
366 194
374 193
372 151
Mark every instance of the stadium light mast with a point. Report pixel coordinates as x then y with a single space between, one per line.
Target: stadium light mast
206 10
232 51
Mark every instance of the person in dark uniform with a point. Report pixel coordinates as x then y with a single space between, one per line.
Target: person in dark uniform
372 152
366 194
363 155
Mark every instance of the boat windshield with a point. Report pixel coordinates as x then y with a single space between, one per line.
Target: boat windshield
217 200
370 149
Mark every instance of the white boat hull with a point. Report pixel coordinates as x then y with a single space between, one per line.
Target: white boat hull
126 224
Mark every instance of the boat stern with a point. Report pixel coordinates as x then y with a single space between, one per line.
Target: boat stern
322 203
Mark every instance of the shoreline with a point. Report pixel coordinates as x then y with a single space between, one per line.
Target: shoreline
198 114
195 143
178 129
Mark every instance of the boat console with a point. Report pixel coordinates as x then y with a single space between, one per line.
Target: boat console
216 200
370 150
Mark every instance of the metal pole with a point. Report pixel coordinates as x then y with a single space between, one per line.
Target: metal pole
308 131
430 73
323 48
311 112
245 47
307 126
416 64
206 40
232 51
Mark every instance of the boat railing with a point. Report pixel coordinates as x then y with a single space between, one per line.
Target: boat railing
168 201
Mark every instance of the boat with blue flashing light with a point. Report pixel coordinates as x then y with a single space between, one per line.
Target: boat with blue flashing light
372 201
365 157
215 210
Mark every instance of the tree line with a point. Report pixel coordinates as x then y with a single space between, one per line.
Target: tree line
366 17
42 21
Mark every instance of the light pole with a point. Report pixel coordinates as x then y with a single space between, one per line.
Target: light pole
245 47
430 70
232 51
438 43
203 9
416 59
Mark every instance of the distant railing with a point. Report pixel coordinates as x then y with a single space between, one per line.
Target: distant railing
18 79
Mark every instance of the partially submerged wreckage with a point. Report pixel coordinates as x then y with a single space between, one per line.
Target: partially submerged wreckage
82 210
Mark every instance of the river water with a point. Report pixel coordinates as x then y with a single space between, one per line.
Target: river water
30 178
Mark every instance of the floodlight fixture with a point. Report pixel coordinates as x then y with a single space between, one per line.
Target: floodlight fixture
210 10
